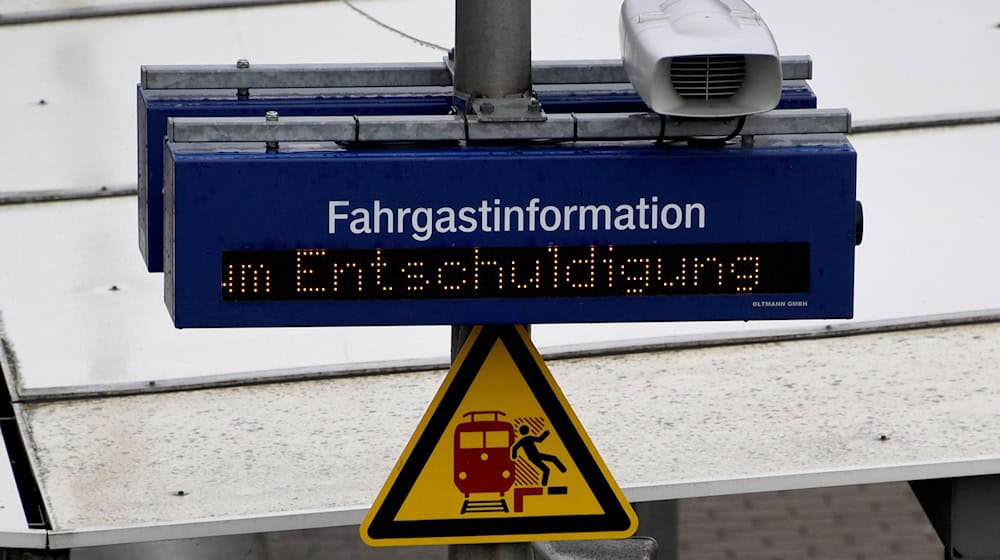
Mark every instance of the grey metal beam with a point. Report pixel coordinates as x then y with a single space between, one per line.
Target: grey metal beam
617 125
796 67
789 121
611 71
257 129
964 512
605 71
295 75
556 127
436 128
268 76
659 521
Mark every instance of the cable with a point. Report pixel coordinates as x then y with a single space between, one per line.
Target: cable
739 128
397 31
126 9
927 121
62 195
707 142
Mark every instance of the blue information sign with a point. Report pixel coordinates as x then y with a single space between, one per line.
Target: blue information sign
479 235
155 107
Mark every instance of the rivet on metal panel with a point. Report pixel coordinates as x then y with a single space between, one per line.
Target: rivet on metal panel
243 64
271 117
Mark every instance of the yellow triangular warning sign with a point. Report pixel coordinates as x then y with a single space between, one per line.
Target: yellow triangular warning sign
498 457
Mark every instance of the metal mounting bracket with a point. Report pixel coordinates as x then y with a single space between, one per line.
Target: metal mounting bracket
570 127
244 75
508 109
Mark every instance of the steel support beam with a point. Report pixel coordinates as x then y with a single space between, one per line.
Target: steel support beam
659 522
389 75
964 512
437 128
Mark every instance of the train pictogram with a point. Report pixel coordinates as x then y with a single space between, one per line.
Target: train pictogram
483 464
488 462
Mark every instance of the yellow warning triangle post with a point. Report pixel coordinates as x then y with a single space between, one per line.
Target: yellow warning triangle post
498 457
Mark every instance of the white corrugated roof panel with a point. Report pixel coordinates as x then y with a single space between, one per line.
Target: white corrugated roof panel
677 424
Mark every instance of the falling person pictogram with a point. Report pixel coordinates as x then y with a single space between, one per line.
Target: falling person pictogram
529 444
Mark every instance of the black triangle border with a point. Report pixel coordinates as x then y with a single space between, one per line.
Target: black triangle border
614 519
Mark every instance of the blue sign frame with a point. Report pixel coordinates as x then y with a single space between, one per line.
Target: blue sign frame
154 108
795 191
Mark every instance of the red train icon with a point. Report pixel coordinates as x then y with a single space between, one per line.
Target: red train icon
482 454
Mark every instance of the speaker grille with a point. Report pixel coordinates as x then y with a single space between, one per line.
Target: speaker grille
708 77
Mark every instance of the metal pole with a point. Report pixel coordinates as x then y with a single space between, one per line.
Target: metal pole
510 551
460 333
492 48
659 520
493 60
513 551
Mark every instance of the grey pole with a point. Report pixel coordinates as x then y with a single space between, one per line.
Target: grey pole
492 48
514 551
492 59
511 551
460 333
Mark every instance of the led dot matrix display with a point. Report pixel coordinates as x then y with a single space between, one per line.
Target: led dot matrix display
515 272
